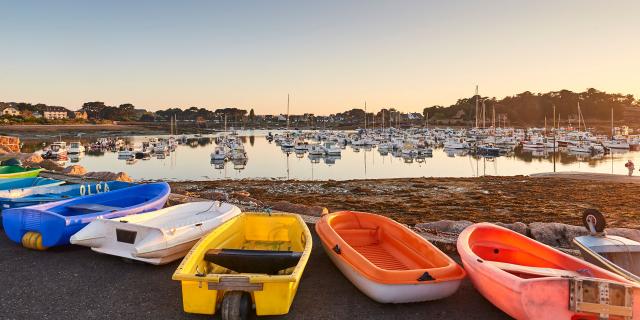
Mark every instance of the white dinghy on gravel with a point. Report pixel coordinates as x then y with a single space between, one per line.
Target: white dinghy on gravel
156 237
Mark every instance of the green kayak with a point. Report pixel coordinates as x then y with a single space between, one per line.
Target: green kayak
7 172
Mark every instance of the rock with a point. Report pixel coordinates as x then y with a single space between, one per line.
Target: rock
32 159
50 165
213 195
632 234
109 176
448 226
75 170
240 194
518 227
556 234
287 206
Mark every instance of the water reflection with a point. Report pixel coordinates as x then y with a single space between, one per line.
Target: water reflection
266 159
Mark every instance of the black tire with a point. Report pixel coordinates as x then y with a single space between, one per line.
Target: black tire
596 218
236 305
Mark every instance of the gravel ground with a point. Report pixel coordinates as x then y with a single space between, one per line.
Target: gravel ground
76 283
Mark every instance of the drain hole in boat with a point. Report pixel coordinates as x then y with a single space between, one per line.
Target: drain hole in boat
496 251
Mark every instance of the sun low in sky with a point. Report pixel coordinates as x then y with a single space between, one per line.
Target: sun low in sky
329 55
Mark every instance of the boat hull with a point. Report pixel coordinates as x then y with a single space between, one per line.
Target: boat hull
393 293
204 284
158 237
57 221
11 172
386 261
539 286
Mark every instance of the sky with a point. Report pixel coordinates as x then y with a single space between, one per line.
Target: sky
328 55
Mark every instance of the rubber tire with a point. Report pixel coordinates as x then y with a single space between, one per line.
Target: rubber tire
236 305
594 214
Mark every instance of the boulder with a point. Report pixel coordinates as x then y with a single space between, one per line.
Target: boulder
518 227
50 165
448 226
109 176
32 159
556 234
75 170
632 234
287 206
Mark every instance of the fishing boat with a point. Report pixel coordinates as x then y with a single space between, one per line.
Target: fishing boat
10 172
530 280
56 192
21 187
155 237
254 259
52 224
387 261
616 254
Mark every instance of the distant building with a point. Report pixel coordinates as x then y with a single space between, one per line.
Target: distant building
7 110
51 113
414 116
81 114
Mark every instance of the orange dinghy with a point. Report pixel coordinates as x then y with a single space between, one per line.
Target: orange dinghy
530 280
385 260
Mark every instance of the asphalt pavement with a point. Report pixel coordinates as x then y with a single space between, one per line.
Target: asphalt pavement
76 283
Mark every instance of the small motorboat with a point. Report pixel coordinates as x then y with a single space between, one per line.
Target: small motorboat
20 187
56 192
530 280
616 254
254 259
155 237
52 224
9 172
387 261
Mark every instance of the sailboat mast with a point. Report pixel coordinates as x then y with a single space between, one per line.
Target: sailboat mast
365 116
287 112
476 106
612 131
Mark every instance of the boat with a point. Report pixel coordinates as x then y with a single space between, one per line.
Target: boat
75 148
254 259
156 237
219 153
20 187
616 254
52 224
387 261
56 192
10 172
530 280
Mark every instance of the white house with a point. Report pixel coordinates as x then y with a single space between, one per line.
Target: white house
9 111
51 113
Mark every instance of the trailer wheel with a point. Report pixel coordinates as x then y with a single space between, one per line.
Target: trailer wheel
236 305
33 240
595 218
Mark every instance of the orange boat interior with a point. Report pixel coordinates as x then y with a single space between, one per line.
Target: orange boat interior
524 257
390 247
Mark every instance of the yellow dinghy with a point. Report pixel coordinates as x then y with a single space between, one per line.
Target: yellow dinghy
252 259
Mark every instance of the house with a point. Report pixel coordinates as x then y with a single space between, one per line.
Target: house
414 116
51 113
6 110
81 114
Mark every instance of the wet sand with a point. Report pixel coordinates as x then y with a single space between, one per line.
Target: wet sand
410 201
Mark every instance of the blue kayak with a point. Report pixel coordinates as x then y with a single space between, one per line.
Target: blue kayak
58 192
19 187
52 224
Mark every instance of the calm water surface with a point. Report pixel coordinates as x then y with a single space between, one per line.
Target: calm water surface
267 160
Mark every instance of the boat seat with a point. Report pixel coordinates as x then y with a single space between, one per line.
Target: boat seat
253 261
92 207
539 271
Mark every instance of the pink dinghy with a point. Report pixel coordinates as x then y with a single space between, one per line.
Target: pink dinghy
529 280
